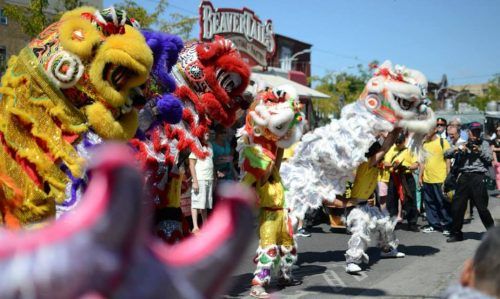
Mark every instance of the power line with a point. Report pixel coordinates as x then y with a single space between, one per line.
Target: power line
183 9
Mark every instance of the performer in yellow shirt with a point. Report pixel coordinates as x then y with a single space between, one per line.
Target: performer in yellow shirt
383 182
365 222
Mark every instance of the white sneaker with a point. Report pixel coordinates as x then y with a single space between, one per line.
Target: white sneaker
352 268
428 230
393 253
446 232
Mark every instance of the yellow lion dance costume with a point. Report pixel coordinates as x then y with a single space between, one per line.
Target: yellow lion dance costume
70 85
274 122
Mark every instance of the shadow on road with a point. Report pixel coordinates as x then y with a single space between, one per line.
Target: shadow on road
473 235
322 257
418 250
412 250
241 283
308 270
346 291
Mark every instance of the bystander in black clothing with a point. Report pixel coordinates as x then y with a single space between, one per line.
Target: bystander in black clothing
474 159
401 163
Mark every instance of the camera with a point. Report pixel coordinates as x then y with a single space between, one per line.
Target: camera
471 143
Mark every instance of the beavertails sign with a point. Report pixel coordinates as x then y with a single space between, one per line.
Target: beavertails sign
254 39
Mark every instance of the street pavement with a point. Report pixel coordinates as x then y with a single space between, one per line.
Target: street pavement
429 267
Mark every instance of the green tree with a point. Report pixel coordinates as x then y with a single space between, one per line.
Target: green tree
491 94
139 13
69 5
176 23
343 89
180 25
32 18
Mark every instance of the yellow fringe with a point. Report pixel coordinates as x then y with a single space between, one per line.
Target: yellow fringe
107 127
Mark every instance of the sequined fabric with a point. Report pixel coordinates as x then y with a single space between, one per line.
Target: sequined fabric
34 118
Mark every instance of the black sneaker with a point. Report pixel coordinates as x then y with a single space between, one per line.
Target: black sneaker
302 232
413 228
455 238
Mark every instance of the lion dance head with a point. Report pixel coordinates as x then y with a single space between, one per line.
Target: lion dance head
216 75
73 79
274 120
399 96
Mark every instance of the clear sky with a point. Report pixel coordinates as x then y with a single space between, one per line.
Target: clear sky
458 37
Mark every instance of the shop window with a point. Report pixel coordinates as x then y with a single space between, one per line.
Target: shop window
3 18
285 55
3 59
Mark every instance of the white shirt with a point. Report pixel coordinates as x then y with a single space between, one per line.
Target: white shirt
204 167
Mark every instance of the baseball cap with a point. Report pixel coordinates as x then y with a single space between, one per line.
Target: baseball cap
475 126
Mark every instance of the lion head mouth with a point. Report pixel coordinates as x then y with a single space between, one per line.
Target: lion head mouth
229 81
117 75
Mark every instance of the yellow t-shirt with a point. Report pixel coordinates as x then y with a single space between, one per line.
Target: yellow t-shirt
434 162
385 174
288 152
404 156
365 181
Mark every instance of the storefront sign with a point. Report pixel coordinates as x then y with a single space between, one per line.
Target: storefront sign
243 27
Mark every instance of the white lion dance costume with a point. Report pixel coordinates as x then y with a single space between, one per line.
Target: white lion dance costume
328 156
273 122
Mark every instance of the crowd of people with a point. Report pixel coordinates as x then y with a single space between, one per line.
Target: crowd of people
441 184
183 92
451 174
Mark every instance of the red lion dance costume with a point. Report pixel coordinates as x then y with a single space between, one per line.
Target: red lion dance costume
211 78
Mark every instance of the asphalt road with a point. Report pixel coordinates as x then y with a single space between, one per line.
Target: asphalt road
429 267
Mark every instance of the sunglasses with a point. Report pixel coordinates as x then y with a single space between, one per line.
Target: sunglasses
441 125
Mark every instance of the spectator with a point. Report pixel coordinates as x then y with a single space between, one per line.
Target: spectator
223 155
457 141
385 177
365 181
495 147
454 137
401 163
441 127
473 163
480 277
383 182
202 174
433 172
456 123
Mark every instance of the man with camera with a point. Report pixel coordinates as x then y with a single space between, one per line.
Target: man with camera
474 158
